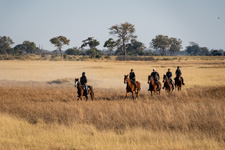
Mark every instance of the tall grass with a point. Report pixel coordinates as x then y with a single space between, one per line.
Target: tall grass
191 110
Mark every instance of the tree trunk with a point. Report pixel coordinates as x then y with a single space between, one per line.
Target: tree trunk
125 52
60 50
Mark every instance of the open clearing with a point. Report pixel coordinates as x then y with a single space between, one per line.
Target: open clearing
39 110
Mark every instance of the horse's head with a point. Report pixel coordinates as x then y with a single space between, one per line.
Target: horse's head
150 79
125 79
76 82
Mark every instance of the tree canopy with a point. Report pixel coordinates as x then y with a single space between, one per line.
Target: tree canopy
124 32
5 44
59 42
110 44
91 42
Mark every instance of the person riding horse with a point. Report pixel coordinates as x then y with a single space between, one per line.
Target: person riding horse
178 74
156 77
169 76
83 81
132 78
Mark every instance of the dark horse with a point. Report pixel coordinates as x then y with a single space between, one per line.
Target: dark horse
81 91
130 87
178 83
167 83
153 86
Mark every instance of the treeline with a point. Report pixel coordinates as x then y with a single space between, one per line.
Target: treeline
125 43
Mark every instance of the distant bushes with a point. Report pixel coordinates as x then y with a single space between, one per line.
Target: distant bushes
135 58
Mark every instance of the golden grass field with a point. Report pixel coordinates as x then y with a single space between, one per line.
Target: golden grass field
38 107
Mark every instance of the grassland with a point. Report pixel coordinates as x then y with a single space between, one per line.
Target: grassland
38 108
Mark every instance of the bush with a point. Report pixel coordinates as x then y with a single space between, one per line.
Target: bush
135 58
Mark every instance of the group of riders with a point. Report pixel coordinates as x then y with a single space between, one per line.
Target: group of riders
154 75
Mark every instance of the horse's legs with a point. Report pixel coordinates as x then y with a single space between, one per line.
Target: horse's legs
126 94
137 94
133 95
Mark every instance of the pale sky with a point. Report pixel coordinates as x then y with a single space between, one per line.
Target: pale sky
200 21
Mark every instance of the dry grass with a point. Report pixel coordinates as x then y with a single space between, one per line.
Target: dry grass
45 115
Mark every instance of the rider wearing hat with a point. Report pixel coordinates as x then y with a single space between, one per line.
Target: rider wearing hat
156 77
83 81
169 76
132 78
178 73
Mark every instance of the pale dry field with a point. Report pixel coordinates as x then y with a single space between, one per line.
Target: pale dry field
38 108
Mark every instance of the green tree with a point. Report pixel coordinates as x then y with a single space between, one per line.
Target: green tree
160 42
124 33
5 44
59 42
94 53
174 45
30 47
110 44
72 51
135 48
91 42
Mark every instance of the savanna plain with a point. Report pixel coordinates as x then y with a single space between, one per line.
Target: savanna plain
39 107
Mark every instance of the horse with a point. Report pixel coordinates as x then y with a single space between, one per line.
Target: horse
81 91
178 83
168 86
153 86
131 88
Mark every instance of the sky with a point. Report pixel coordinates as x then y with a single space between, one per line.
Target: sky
200 21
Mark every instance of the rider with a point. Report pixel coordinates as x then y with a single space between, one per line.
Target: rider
132 78
83 81
178 73
156 77
169 76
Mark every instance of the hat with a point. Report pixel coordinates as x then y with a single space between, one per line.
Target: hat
153 69
132 70
83 73
178 66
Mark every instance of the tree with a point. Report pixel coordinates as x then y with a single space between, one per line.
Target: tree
94 53
5 44
29 47
91 42
174 45
195 49
160 42
215 52
110 44
59 42
135 48
124 33
72 51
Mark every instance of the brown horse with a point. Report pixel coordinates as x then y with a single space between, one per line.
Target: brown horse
168 86
131 88
81 91
153 86
178 83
